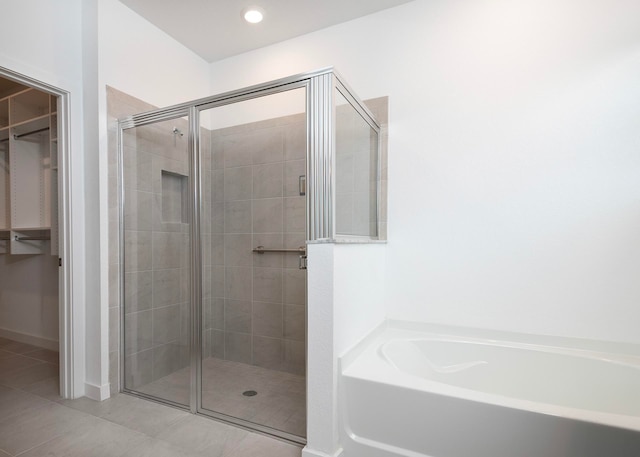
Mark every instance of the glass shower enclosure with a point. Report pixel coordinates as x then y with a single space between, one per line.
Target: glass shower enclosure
218 200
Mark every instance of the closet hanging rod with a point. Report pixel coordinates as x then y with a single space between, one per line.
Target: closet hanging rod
17 137
31 238
262 250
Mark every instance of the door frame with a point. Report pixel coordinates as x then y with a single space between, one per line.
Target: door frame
321 87
192 111
67 309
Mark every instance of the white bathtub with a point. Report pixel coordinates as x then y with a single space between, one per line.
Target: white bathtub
443 392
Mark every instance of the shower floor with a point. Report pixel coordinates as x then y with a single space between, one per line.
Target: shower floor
280 402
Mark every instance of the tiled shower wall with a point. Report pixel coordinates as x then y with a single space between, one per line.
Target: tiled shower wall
156 243
356 174
221 340
119 105
256 304
380 109
156 252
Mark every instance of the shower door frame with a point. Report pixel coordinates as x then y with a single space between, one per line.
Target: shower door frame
135 121
197 328
320 87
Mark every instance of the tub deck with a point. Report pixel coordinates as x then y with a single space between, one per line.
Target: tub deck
448 393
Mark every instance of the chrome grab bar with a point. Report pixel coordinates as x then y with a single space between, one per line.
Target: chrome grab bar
262 250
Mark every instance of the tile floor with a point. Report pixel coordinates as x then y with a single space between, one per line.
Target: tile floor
22 364
35 421
280 402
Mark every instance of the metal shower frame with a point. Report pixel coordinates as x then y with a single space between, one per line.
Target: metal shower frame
321 87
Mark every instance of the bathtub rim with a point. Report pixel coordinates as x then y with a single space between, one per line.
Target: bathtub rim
629 361
369 346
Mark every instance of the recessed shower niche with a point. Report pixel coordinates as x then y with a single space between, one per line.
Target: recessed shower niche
213 235
174 197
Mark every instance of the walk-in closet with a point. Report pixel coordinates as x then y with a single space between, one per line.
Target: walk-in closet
29 260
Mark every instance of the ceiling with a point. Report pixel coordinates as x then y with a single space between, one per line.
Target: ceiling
214 29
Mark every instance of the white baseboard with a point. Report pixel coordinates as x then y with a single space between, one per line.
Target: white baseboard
30 339
306 452
98 393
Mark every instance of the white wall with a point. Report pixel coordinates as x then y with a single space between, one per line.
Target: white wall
514 173
322 398
359 291
96 365
43 40
345 303
141 60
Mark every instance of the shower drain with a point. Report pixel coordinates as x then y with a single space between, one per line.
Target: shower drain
249 393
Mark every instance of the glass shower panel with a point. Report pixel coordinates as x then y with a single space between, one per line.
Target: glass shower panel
253 230
156 333
356 173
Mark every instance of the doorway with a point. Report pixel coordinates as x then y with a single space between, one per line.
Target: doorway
34 304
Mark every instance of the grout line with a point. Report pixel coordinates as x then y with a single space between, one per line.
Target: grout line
38 445
39 360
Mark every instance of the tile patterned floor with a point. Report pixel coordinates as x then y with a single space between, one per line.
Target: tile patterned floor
22 364
36 422
279 404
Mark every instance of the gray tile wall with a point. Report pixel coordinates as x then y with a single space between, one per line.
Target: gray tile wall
358 193
156 252
138 286
380 109
156 247
256 308
269 331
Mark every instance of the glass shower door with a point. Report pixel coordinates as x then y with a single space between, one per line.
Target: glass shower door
214 216
253 156
156 230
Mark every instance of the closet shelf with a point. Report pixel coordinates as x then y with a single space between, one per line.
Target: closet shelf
4 114
29 229
37 123
29 208
19 92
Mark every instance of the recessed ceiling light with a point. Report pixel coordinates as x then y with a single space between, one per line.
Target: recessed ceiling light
253 14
